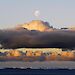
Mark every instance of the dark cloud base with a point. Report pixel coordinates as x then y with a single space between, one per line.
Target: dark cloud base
34 39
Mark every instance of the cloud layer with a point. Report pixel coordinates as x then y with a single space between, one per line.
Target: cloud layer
37 34
34 39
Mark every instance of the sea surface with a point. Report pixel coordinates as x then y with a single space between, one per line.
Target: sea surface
36 72
37 68
38 65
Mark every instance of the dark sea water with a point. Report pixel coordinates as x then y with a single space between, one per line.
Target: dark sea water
37 72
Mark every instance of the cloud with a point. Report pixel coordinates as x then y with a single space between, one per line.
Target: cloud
37 25
30 36
34 39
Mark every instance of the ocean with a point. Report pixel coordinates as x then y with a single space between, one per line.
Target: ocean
37 68
37 64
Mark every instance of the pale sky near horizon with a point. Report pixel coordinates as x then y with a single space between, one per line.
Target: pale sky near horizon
59 13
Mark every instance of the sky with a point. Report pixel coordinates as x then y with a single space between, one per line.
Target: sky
59 13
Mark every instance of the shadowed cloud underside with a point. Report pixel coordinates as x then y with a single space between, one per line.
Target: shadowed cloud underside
37 34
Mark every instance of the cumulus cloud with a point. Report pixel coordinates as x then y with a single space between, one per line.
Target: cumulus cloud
23 37
37 25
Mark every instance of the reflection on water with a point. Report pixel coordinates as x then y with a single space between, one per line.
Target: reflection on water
36 65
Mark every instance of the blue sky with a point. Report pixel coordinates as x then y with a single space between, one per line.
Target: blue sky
59 13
